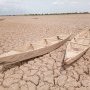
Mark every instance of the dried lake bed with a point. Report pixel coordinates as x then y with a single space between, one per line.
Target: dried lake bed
44 72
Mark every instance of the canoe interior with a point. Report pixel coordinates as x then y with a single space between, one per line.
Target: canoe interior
77 46
81 41
73 49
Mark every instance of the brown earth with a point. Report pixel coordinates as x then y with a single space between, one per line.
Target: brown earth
45 72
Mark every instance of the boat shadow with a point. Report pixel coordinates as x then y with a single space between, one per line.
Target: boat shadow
7 66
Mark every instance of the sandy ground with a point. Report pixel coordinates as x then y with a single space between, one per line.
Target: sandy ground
45 72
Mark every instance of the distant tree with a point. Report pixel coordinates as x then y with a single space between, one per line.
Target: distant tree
86 12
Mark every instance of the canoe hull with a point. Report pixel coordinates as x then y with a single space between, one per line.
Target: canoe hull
31 54
77 47
71 60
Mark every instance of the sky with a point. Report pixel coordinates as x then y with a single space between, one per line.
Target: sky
13 7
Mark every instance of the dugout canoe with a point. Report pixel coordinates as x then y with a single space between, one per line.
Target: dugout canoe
33 50
77 47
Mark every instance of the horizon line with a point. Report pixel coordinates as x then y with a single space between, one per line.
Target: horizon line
86 12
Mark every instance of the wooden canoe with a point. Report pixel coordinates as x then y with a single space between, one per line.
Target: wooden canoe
33 50
77 47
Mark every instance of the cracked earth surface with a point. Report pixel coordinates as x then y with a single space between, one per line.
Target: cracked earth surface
45 72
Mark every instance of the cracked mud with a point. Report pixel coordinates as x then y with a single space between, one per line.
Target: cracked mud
45 72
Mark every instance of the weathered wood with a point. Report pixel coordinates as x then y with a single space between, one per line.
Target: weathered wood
33 50
77 47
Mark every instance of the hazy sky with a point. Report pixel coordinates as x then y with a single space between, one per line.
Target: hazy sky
43 6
